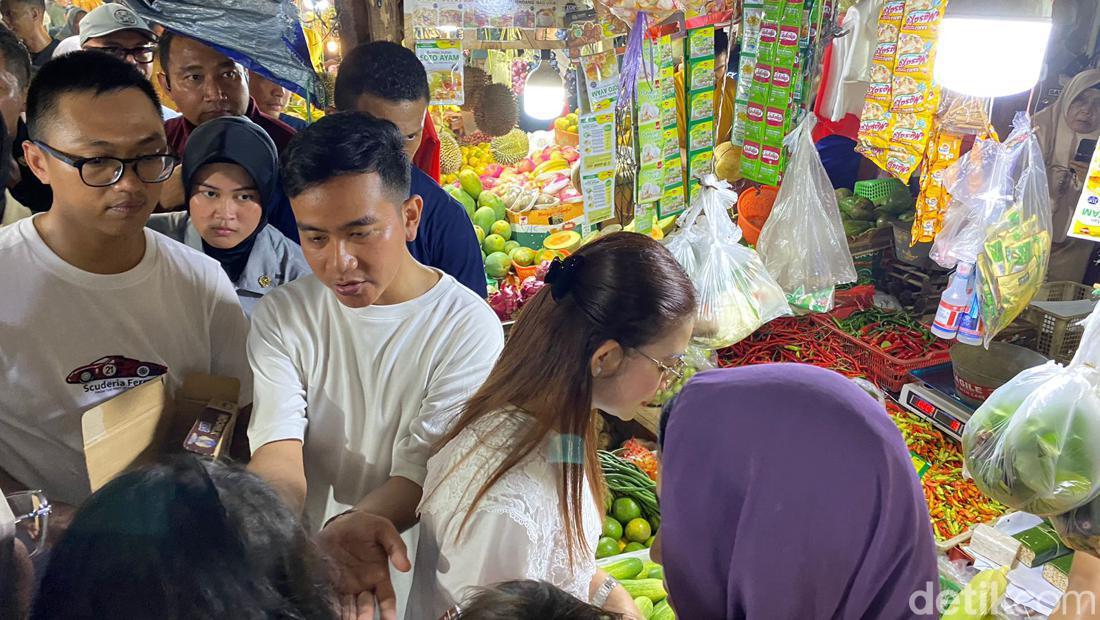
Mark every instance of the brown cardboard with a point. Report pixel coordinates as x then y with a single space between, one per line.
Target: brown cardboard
142 424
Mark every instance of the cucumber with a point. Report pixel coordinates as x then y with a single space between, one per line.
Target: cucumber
653 589
662 611
655 572
644 605
627 568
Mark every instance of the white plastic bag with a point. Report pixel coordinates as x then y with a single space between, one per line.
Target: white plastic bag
734 292
803 244
999 220
1034 445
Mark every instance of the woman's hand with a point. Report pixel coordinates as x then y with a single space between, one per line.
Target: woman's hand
620 602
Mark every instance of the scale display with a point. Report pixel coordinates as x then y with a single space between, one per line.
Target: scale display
944 413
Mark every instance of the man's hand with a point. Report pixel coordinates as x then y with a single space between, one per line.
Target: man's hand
361 547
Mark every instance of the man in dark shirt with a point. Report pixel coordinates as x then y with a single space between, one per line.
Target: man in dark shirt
387 81
27 19
206 84
272 100
15 78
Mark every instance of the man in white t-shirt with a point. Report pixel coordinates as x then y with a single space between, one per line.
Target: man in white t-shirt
361 367
94 303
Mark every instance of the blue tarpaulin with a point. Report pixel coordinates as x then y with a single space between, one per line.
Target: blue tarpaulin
263 35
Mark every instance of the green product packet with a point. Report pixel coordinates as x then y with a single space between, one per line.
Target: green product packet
773 10
1040 545
792 14
700 136
754 131
693 191
669 116
775 126
750 169
643 218
701 43
650 184
671 141
672 202
701 74
995 250
700 163
701 106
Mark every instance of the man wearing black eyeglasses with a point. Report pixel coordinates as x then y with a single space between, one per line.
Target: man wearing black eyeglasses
93 303
120 32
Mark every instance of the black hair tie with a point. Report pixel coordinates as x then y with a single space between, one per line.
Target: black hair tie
562 275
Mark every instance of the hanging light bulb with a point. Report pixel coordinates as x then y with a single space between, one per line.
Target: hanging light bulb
992 49
322 5
544 92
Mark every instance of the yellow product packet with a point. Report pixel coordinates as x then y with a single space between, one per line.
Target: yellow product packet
943 150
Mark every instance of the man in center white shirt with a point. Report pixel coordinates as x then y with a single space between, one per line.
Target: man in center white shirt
360 368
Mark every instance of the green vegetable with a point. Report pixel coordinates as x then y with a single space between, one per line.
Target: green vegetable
842 192
853 228
644 605
856 208
624 479
653 589
1041 456
627 568
656 572
899 201
662 611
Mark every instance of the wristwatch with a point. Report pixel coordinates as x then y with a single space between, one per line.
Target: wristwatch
606 588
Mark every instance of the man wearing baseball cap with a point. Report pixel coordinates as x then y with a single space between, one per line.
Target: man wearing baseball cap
120 32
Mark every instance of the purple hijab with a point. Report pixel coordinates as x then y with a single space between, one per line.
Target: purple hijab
787 492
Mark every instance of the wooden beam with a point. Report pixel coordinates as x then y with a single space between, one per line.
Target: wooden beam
362 21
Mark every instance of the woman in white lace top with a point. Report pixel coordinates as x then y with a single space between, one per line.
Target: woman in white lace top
512 491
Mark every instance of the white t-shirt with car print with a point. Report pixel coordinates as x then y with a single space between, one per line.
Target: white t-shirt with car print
70 340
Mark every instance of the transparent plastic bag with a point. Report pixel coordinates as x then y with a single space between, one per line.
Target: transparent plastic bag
734 292
696 360
803 244
1012 264
1033 445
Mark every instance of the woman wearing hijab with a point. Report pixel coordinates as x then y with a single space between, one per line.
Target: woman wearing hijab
787 492
230 177
1073 119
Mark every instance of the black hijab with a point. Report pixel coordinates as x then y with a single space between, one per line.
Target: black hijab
234 140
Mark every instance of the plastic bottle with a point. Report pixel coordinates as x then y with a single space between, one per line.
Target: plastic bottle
953 303
971 330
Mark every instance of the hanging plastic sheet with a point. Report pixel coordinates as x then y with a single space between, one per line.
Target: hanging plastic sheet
265 36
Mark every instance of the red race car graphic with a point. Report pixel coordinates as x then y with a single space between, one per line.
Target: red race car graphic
115 367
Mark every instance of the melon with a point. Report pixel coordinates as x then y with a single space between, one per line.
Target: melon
567 240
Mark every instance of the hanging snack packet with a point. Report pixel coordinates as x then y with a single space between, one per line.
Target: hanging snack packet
963 114
943 150
882 62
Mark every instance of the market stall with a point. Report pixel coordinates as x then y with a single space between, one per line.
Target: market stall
561 124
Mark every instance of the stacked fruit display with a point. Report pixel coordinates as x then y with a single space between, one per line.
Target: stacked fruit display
632 515
567 123
644 581
519 76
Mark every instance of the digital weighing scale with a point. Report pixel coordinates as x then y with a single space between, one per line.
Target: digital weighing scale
932 396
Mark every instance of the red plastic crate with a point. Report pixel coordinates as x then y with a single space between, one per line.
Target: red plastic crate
887 371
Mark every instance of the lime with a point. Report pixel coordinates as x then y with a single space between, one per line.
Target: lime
625 510
607 547
612 528
638 530
631 547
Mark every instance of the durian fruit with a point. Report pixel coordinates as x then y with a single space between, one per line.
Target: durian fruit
450 154
474 80
511 147
496 112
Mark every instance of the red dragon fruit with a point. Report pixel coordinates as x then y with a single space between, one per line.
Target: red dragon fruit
505 302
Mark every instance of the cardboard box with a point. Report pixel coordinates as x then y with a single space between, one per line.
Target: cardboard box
142 424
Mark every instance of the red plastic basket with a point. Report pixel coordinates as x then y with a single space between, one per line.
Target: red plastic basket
887 371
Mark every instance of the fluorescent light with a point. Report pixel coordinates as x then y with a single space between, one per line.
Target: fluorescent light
544 93
990 57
